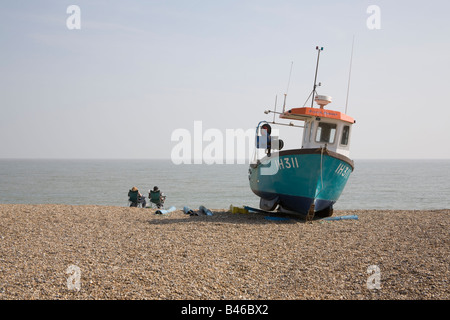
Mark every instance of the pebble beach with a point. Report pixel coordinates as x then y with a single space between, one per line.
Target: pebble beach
100 252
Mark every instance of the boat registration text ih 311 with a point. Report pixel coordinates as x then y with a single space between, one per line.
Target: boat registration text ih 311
308 180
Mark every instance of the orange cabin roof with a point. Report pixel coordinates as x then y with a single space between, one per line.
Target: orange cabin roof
305 113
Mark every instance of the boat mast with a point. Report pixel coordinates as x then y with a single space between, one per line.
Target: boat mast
287 89
315 76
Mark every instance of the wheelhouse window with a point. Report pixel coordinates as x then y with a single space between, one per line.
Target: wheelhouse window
326 132
308 131
345 135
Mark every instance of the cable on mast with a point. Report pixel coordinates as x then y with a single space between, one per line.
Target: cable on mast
349 75
287 89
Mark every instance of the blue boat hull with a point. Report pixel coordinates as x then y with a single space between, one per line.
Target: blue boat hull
296 179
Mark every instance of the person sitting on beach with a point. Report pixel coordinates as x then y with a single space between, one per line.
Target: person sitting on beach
135 197
156 197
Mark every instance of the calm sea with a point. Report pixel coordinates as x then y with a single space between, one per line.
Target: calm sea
375 184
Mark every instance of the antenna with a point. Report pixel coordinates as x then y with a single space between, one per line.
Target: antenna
315 77
287 89
349 74
275 108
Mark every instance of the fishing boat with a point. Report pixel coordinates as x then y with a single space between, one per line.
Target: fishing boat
307 180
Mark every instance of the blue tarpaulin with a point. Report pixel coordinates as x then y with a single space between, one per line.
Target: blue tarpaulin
349 217
165 211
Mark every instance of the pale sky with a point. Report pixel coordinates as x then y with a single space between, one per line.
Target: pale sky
136 71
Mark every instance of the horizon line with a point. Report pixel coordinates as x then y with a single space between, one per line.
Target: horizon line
192 159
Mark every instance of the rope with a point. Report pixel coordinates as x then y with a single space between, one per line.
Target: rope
321 173
310 215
